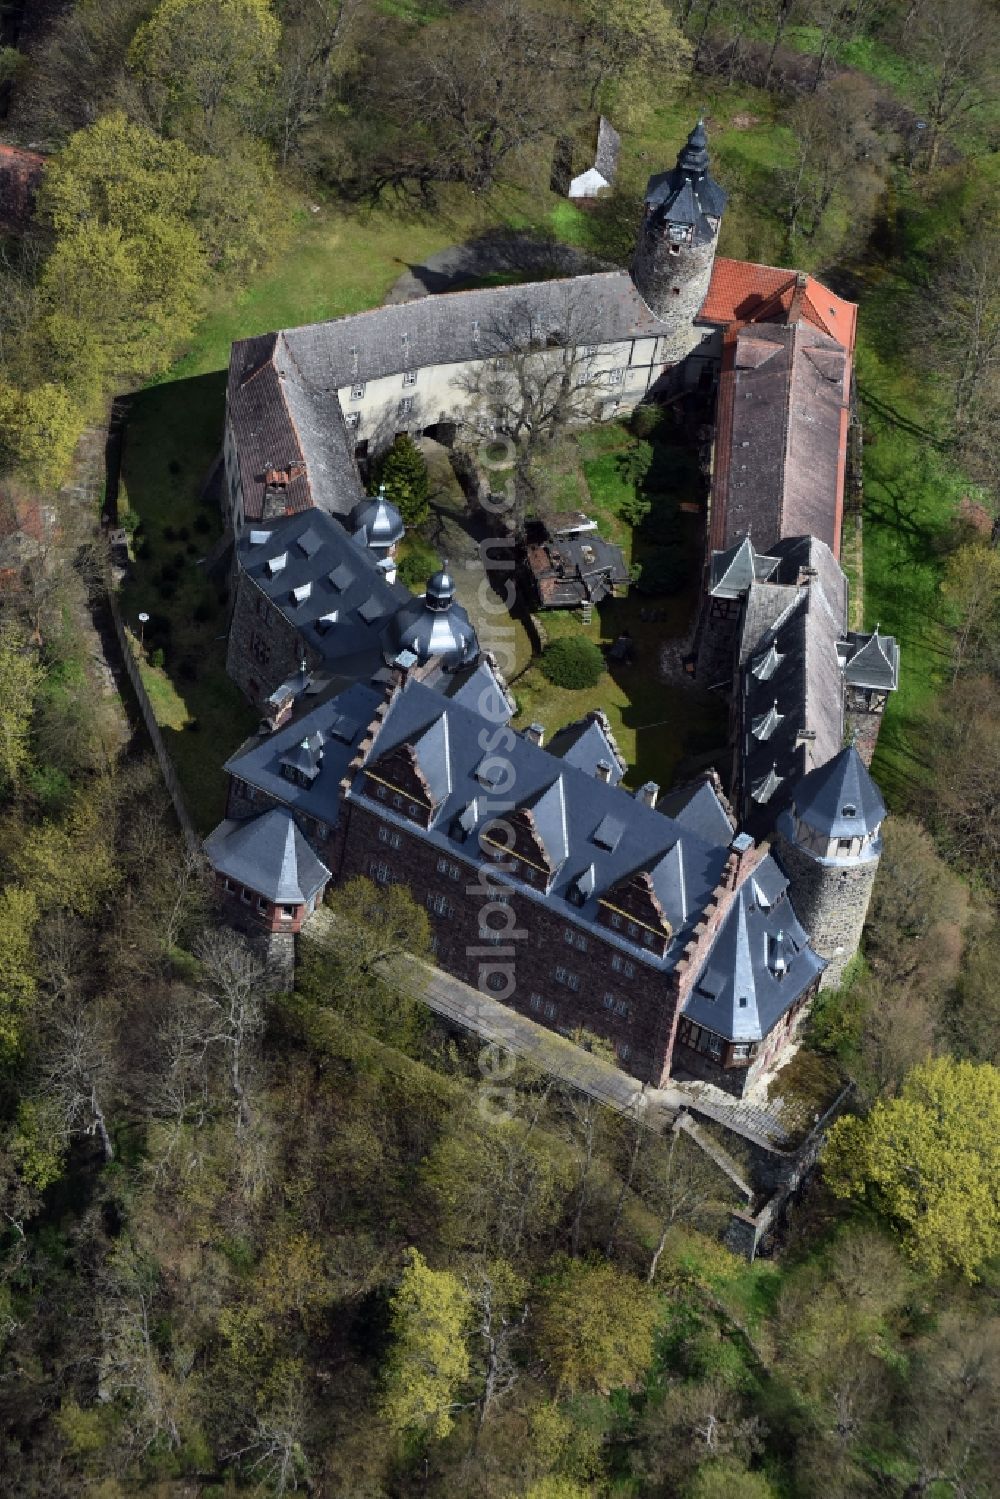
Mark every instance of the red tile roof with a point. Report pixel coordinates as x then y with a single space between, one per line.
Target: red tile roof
742 292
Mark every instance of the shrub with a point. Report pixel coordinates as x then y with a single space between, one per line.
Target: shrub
645 420
157 657
417 564
574 661
662 571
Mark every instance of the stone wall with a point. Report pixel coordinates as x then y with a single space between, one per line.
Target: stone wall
831 902
674 288
862 720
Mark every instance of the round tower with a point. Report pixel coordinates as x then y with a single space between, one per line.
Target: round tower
829 843
675 252
377 524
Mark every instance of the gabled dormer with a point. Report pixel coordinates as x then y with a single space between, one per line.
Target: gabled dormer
633 908
535 836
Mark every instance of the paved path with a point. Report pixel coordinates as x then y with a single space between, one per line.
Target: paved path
498 254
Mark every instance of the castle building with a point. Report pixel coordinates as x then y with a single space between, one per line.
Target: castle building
688 930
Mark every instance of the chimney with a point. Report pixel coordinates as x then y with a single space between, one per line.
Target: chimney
535 733
603 771
741 849
798 297
648 794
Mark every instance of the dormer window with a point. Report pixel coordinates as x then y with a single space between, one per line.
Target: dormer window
275 565
850 810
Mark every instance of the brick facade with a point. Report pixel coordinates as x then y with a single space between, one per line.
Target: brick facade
863 711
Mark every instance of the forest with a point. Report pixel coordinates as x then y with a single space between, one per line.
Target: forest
314 1241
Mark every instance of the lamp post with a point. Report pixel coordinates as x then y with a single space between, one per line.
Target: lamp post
143 622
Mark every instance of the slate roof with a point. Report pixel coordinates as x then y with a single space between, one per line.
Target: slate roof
791 688
840 799
480 688
870 661
282 395
428 629
696 806
328 586
569 805
741 292
376 522
340 722
575 568
585 744
781 445
759 964
687 194
268 854
732 571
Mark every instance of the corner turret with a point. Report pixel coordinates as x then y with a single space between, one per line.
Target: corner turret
829 843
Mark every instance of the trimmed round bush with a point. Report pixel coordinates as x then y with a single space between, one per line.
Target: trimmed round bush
644 420
574 661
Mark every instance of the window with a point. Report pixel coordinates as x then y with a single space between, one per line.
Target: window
550 1010
322 832
440 905
388 835
622 1008
263 609
397 801
352 421
608 1001
674 249
633 930
405 406
624 1051
535 1002
259 648
622 965
615 377
409 379
412 809
444 866
246 896
844 845
740 1053
574 939
381 793
227 884
571 980
647 939
616 921
358 391
380 872
261 903
287 913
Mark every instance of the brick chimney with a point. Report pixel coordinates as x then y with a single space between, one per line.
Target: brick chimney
648 794
603 771
535 734
798 297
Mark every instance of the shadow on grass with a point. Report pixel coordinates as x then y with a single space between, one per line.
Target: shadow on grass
172 438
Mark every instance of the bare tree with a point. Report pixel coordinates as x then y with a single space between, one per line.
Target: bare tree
315 34
957 48
236 984
683 1186
539 375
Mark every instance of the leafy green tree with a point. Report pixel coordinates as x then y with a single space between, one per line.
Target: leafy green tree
728 1479
596 1327
624 45
206 59
573 661
429 1360
39 430
930 1161
20 682
117 173
556 1487
387 927
71 864
403 473
18 986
